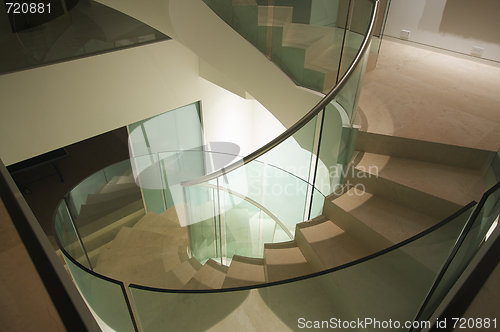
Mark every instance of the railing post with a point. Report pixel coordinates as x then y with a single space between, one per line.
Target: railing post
77 233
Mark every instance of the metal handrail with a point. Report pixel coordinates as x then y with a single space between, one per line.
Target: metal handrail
305 119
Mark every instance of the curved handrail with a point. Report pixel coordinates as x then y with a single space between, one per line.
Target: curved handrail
392 248
306 118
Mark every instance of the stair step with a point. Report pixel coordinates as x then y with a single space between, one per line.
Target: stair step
91 225
131 238
136 274
176 213
393 221
325 245
109 188
371 181
100 197
103 208
210 276
457 185
245 271
281 16
153 222
284 261
438 153
177 277
96 240
304 35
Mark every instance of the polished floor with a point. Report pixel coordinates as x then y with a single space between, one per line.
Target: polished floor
420 94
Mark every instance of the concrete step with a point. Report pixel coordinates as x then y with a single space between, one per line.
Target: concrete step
131 238
109 188
437 153
210 276
245 271
97 240
103 208
87 226
393 221
154 222
325 245
177 277
454 184
284 261
281 16
370 179
176 213
100 197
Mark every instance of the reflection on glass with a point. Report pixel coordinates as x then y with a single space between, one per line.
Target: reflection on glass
164 311
305 39
105 297
70 31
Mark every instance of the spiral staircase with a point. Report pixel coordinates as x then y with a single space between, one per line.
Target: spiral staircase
409 189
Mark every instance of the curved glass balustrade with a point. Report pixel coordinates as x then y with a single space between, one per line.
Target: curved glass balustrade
235 210
313 42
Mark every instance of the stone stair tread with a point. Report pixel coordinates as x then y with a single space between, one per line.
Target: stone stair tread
284 260
458 185
153 222
245 271
439 153
131 238
327 61
121 259
177 277
393 221
90 225
176 214
103 208
304 35
210 276
281 15
99 196
109 188
108 233
331 245
136 274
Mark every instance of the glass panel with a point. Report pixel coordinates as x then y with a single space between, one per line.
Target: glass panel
397 282
106 206
303 38
203 219
163 311
147 175
178 167
123 168
317 204
175 130
472 242
67 236
78 196
348 97
105 298
35 39
331 164
358 23
294 155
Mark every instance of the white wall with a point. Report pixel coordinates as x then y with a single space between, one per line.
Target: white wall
454 25
46 108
